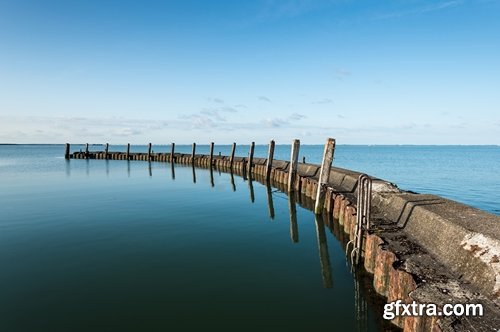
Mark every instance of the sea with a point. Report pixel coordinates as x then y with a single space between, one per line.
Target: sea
104 245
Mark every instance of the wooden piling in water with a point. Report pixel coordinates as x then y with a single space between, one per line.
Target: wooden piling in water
66 152
292 170
231 160
211 154
87 151
324 175
106 151
149 151
270 156
193 153
128 151
172 152
250 159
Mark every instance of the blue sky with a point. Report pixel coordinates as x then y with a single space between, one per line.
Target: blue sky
364 72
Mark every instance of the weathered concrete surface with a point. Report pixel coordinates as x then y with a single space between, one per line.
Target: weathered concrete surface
463 238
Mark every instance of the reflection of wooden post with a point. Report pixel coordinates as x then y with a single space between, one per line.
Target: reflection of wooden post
172 152
150 170
250 159
87 151
172 167
270 200
194 174
193 153
150 146
212 176
232 182
128 167
231 160
270 156
292 171
294 228
326 270
250 187
128 151
324 175
66 152
211 154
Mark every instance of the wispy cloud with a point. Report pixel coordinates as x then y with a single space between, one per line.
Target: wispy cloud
341 74
422 9
264 98
323 101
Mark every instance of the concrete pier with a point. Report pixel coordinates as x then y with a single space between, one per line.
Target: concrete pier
420 247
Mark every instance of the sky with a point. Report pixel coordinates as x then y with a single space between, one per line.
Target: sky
362 72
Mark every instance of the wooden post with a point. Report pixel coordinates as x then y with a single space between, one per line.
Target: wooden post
87 151
231 160
303 160
193 153
106 150
211 154
270 156
324 175
292 171
172 157
66 152
128 151
250 159
149 151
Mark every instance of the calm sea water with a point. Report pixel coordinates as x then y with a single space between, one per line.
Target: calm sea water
129 246
117 245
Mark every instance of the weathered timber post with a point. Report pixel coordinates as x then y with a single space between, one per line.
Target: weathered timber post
128 151
324 175
87 151
172 157
106 151
66 152
303 160
149 151
193 153
250 159
231 160
269 164
292 171
211 154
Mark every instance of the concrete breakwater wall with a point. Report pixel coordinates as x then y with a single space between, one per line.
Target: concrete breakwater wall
419 247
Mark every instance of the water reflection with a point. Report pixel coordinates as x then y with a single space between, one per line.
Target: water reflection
68 167
294 228
270 203
232 181
212 176
360 303
250 188
326 270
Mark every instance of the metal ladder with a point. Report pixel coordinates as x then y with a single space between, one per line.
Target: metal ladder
362 217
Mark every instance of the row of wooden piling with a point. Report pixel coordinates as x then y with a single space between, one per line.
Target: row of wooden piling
388 281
